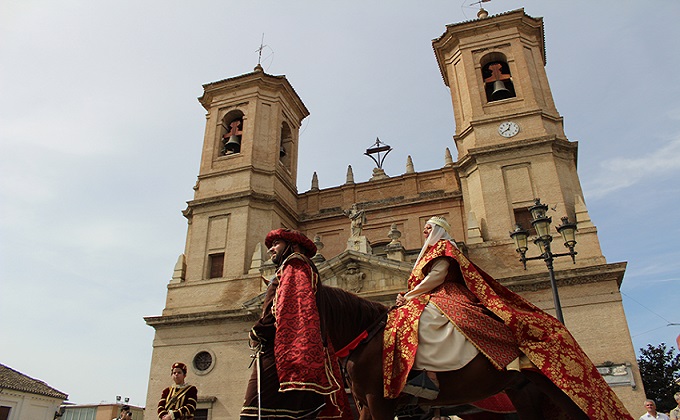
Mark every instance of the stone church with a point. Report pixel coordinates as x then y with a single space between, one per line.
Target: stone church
511 149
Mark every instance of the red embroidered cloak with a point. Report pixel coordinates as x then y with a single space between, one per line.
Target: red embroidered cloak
302 361
542 338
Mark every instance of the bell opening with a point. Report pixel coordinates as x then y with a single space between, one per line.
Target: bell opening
497 80
231 146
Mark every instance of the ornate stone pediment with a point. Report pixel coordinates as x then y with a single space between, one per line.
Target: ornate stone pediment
369 276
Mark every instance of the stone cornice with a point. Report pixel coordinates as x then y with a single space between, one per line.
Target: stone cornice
241 195
431 196
392 179
262 170
338 263
201 318
556 143
496 118
392 202
233 196
257 77
247 168
570 277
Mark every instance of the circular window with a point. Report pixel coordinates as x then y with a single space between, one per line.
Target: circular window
203 362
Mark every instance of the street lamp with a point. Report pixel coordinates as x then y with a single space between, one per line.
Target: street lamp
541 223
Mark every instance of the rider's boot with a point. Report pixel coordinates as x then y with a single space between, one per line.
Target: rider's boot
423 385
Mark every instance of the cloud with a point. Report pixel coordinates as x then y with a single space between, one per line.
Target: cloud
654 267
619 173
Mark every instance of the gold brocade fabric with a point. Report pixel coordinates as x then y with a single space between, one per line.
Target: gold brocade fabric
486 332
542 338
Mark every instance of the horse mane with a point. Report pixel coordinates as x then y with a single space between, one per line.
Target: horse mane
345 315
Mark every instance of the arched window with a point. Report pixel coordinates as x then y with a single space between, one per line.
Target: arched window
285 145
497 78
231 133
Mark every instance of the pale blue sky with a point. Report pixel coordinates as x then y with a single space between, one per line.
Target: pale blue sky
101 133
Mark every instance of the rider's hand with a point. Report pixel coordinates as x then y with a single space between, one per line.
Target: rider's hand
253 340
400 299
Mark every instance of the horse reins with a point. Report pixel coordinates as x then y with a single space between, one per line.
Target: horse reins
366 335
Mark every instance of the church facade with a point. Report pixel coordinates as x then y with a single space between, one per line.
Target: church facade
511 149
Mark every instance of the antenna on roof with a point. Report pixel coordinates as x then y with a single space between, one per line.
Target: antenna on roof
479 3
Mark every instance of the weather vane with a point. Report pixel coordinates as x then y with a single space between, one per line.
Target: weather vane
377 148
479 3
259 50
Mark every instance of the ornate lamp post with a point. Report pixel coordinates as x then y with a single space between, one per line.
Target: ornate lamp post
541 224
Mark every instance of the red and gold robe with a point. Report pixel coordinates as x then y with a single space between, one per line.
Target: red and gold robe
303 361
539 336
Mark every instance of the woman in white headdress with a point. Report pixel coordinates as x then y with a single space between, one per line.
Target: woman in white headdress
441 346
444 315
454 311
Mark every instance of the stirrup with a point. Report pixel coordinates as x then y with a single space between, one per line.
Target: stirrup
422 386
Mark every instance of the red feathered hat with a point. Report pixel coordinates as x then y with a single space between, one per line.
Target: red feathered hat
291 236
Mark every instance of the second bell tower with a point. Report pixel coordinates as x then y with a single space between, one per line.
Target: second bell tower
509 136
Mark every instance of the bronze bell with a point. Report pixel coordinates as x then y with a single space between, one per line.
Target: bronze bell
233 145
500 91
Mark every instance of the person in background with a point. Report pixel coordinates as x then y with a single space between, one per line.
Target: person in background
675 413
125 413
651 413
178 401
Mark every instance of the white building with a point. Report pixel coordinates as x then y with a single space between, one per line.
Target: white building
25 398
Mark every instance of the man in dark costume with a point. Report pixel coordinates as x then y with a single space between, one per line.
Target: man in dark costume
299 376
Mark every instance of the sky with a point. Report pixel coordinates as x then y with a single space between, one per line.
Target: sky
101 135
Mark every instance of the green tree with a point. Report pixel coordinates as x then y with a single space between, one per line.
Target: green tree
660 368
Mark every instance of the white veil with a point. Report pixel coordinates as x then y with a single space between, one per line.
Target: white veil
438 233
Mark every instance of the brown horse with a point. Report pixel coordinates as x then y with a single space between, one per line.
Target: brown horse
344 316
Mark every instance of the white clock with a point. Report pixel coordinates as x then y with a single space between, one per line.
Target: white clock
508 129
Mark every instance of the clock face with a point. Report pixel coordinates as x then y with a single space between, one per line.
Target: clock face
508 129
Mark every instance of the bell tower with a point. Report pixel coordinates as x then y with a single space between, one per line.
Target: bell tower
512 149
509 136
246 187
247 178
